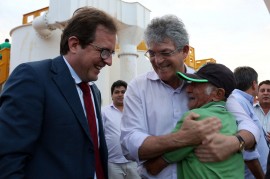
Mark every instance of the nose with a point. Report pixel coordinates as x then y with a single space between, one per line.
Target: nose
158 58
108 61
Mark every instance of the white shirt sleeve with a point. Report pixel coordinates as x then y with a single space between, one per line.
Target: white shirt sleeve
244 121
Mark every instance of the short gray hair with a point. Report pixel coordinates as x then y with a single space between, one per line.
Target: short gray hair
209 88
166 27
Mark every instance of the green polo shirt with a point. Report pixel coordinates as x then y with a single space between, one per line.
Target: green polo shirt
188 165
5 45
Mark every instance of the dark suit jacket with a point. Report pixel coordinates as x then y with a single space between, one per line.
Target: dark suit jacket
43 129
267 175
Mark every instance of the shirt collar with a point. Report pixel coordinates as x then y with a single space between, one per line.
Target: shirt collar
73 73
113 106
257 104
245 95
153 75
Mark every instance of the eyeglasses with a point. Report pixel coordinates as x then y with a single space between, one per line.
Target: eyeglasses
104 52
152 54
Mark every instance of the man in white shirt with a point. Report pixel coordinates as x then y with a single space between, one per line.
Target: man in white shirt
263 106
118 166
155 101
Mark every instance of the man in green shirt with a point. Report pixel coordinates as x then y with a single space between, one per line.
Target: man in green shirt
207 92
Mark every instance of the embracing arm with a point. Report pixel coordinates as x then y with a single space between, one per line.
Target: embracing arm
142 139
156 165
220 147
247 129
191 133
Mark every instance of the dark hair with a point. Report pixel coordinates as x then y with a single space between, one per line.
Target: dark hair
244 77
6 40
118 83
266 82
83 25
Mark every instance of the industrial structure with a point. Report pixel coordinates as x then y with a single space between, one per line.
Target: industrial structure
39 37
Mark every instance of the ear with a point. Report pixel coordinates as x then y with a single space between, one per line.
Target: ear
73 43
186 51
254 84
219 95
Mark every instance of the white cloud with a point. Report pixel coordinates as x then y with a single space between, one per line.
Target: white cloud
12 13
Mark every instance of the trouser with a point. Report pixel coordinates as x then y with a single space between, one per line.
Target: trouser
123 170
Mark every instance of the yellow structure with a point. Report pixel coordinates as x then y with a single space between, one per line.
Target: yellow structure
199 63
190 60
195 64
4 65
28 18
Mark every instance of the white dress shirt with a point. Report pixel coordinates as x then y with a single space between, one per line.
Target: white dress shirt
111 117
264 118
151 108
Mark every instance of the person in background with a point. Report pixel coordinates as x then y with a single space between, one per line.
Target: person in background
49 125
262 111
247 89
4 45
118 167
207 95
263 106
156 100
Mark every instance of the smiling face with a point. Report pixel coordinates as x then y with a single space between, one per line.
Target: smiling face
118 95
200 94
167 66
87 62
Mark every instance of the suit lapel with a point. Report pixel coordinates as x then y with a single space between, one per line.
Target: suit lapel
66 85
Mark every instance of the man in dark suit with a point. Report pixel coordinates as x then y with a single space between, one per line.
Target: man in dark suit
44 131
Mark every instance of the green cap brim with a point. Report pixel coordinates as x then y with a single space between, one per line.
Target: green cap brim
185 77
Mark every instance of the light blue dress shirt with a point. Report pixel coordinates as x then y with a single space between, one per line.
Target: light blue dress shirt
262 150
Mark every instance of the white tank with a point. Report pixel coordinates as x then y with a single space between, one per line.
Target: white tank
41 39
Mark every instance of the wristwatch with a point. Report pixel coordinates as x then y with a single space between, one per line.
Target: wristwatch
241 143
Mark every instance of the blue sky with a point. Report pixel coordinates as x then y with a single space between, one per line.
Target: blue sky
233 32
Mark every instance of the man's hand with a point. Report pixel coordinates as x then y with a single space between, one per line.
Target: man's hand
155 166
198 131
219 148
191 133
